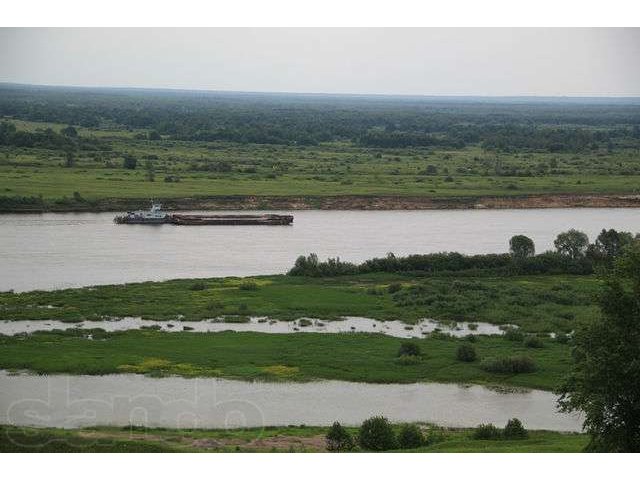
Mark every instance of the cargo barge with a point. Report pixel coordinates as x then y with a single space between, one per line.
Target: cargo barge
156 216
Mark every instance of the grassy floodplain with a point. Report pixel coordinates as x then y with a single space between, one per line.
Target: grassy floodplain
301 356
268 439
540 303
325 170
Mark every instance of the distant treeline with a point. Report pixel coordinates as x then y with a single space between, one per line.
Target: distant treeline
381 122
67 139
446 263
574 255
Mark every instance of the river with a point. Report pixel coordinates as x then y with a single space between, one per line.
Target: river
173 402
49 251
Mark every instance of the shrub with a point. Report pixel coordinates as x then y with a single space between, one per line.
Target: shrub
533 342
562 338
198 286
513 335
338 439
509 365
409 348
129 162
248 285
394 287
410 436
514 430
466 353
408 360
376 434
487 432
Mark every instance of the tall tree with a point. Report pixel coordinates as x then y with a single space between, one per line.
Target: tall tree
609 244
151 171
573 243
522 246
70 159
605 380
130 162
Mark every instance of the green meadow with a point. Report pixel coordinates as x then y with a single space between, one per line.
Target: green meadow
540 303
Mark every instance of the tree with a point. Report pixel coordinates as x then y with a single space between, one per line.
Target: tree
521 247
609 245
605 377
69 131
338 439
151 172
410 436
130 162
70 159
377 434
572 243
153 135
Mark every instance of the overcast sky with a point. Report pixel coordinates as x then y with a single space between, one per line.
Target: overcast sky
581 62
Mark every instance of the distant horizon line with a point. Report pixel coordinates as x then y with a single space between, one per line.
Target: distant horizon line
616 96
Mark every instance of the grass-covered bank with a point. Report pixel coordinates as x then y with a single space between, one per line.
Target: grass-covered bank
358 357
536 303
268 439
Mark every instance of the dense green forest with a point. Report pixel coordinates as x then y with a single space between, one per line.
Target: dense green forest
377 121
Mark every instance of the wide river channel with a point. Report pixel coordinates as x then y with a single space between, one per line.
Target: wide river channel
76 401
50 251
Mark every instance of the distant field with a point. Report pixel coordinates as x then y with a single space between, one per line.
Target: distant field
210 169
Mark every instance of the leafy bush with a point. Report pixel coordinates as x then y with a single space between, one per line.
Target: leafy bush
562 338
394 287
197 286
487 432
410 436
533 342
408 360
513 335
377 434
338 439
409 348
466 353
248 285
514 430
310 266
509 365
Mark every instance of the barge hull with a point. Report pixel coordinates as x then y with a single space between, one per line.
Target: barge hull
231 219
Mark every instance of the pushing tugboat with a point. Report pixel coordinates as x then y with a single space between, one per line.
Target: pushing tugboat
155 215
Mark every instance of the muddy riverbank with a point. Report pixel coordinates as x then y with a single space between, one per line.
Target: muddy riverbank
336 202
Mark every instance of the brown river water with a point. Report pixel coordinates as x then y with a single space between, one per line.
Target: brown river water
48 251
